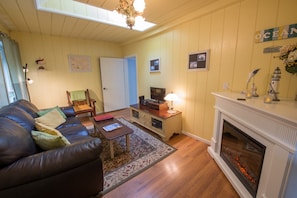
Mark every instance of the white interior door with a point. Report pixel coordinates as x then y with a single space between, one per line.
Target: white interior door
113 83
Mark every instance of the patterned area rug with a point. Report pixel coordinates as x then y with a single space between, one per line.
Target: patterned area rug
145 151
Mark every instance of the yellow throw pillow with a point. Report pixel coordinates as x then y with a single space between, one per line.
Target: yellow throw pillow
46 129
47 141
52 119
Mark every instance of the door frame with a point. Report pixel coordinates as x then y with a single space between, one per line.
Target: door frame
128 99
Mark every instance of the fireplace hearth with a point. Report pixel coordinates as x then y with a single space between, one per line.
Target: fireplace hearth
255 144
244 155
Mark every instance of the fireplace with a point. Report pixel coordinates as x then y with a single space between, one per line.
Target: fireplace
255 144
244 155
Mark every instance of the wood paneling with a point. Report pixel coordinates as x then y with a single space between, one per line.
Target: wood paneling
229 34
22 15
49 87
226 28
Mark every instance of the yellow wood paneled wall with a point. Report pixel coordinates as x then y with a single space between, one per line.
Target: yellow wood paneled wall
229 34
3 29
49 87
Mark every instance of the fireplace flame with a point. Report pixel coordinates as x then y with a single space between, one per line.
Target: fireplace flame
243 170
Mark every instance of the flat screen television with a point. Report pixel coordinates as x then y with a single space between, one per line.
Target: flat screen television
158 94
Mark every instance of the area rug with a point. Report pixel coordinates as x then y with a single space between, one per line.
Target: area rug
145 151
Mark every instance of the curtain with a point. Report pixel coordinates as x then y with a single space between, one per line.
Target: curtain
12 77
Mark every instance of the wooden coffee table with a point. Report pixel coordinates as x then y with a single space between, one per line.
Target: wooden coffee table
111 135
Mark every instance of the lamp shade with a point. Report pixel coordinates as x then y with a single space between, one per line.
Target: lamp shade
30 81
171 97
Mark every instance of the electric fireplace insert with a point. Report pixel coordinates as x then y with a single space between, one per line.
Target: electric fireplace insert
244 156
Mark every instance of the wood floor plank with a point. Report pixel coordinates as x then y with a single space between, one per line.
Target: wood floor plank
189 172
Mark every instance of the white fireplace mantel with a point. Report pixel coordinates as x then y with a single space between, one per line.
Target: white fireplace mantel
274 125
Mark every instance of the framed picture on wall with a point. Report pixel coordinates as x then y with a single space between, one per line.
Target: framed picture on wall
199 60
154 65
79 63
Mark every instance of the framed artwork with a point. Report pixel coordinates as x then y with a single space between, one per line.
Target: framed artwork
199 60
155 65
79 63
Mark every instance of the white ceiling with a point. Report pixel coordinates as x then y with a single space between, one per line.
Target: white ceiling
21 15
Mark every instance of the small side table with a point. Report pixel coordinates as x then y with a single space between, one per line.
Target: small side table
111 135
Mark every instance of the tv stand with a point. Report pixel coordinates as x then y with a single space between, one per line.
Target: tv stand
158 121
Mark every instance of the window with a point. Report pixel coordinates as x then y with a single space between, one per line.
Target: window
8 94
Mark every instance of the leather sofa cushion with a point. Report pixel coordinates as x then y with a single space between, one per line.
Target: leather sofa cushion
15 142
68 111
26 106
70 121
75 133
19 116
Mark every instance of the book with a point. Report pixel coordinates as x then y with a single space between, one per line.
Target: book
112 127
103 117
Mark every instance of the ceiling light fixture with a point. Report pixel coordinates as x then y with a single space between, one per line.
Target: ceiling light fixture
132 10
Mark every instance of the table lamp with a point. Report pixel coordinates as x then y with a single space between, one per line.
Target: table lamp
171 97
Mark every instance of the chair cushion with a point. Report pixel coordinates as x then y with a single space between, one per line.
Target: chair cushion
15 142
82 108
47 141
52 119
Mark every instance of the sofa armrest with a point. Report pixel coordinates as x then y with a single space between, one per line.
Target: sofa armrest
68 111
52 162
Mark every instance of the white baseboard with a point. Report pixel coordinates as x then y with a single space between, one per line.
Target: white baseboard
196 137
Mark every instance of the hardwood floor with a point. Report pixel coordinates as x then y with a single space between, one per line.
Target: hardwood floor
188 172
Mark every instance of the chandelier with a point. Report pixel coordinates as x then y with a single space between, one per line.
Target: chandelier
131 9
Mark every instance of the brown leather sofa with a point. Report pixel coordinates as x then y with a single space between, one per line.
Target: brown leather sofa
26 170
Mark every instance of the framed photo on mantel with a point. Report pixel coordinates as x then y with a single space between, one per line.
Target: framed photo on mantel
154 65
199 60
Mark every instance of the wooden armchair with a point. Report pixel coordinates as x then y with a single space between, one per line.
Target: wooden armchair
81 102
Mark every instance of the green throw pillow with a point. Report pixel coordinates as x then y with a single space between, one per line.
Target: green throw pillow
47 141
51 119
45 111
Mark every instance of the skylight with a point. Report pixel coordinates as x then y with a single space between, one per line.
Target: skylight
88 12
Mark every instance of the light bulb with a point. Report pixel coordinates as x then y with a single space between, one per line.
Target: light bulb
139 5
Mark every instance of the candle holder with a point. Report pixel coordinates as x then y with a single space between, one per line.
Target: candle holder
248 93
267 99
